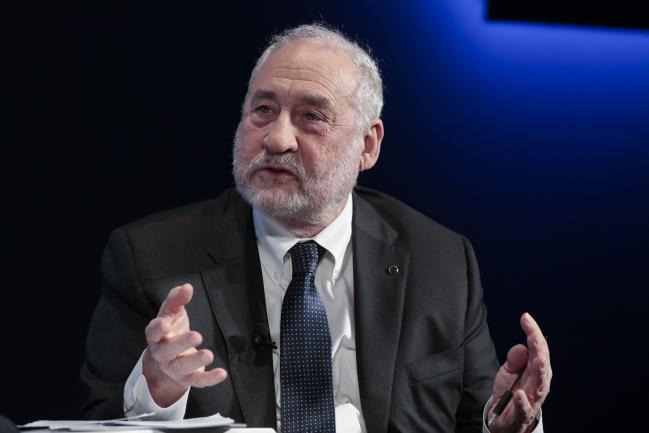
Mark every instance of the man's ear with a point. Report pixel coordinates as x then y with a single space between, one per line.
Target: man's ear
371 145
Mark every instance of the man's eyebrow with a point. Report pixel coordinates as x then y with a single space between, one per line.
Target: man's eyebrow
264 94
316 101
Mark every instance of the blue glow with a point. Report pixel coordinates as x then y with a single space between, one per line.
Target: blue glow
551 120
534 85
540 43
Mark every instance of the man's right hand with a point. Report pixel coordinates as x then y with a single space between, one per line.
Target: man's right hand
171 363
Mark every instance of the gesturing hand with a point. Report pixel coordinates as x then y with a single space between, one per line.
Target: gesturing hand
532 364
171 362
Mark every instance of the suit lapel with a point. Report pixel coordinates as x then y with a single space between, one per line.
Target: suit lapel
379 292
236 293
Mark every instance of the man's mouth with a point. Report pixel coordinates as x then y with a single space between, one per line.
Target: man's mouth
276 171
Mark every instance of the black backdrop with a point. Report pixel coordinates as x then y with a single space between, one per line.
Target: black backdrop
118 110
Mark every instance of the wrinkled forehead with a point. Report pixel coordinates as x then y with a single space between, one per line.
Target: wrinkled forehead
305 66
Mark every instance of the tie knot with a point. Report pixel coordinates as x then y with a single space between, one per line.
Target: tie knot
305 256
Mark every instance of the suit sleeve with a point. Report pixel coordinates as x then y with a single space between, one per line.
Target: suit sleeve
115 337
480 361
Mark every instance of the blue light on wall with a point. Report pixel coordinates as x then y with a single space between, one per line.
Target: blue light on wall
554 109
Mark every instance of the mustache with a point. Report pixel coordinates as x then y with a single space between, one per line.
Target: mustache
285 161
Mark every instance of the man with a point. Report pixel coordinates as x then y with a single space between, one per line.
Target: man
376 310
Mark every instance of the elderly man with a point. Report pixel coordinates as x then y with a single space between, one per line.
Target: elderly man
317 306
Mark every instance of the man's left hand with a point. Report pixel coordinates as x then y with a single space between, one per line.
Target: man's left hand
533 363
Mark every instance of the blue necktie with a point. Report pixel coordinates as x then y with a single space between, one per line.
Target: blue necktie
305 349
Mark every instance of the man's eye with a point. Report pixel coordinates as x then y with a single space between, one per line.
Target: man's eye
264 109
312 117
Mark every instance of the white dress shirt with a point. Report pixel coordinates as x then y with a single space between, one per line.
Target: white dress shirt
334 281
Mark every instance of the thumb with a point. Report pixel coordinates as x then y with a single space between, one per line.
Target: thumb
177 298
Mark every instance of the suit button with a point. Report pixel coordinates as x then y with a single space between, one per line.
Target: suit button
393 270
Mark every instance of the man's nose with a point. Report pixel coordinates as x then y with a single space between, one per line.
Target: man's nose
281 135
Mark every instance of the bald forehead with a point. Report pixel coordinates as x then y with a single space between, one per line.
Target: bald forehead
312 49
315 61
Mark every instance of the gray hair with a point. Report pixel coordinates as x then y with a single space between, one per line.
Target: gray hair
369 91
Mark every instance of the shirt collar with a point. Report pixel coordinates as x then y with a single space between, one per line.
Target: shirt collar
275 240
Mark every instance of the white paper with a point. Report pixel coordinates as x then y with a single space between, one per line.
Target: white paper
215 420
132 423
103 427
52 425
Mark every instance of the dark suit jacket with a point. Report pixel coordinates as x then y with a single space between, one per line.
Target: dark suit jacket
425 358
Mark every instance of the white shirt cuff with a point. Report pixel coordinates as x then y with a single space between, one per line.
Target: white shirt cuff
349 419
138 400
537 429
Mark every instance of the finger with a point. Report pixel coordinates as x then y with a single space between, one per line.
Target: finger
157 329
186 364
536 342
202 379
516 359
510 370
539 371
168 349
523 410
177 298
536 381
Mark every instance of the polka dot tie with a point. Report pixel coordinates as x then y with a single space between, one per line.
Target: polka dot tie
305 349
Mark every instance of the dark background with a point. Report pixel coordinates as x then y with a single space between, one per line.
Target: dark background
531 139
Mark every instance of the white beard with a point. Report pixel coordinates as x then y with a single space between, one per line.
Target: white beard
317 197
